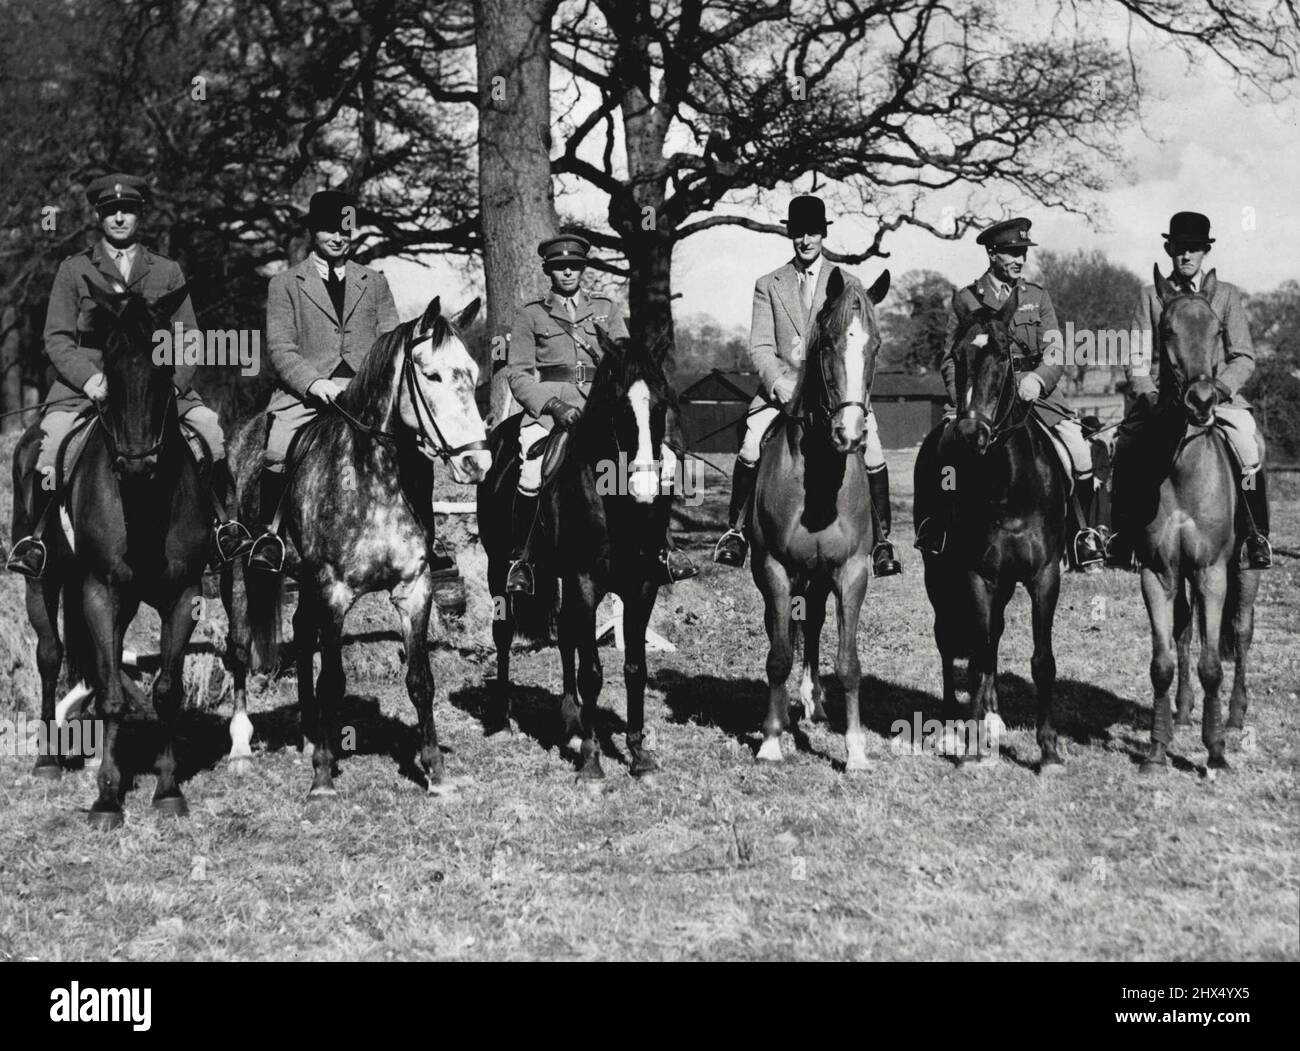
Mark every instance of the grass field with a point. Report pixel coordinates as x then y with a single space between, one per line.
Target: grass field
722 858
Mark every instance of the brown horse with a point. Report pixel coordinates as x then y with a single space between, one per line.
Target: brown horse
1188 542
811 527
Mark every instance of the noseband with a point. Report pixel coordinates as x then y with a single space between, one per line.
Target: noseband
110 437
1000 428
1182 385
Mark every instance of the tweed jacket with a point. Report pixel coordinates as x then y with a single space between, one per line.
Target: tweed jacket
779 327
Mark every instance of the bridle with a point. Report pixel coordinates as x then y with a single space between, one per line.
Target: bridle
435 441
1181 384
828 411
998 428
110 436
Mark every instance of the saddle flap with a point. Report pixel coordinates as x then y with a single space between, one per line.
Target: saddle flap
1063 454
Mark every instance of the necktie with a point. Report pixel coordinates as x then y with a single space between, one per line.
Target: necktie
334 285
568 305
123 264
806 290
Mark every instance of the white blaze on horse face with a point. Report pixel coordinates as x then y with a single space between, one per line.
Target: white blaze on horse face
852 417
446 376
643 480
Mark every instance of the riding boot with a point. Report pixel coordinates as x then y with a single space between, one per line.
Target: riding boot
732 548
28 555
267 553
884 561
1088 550
232 539
519 580
1257 552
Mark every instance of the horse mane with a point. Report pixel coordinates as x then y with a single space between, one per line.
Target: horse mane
626 364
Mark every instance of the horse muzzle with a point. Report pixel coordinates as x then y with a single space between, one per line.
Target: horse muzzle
1199 400
137 467
849 429
975 430
470 468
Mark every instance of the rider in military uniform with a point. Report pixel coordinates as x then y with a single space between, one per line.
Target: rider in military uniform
1008 244
786 303
1187 243
117 262
554 351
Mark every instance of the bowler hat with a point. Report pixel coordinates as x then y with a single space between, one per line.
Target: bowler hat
117 188
1010 233
1189 228
328 208
806 213
567 248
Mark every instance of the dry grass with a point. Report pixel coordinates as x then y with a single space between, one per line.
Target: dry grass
722 858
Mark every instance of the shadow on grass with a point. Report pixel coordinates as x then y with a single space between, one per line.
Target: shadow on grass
538 714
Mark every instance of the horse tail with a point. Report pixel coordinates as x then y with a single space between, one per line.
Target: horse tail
264 596
78 647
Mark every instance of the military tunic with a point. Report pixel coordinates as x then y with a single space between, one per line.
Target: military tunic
1035 317
543 335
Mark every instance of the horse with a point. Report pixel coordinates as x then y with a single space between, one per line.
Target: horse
594 538
1189 541
139 532
810 524
1010 494
358 515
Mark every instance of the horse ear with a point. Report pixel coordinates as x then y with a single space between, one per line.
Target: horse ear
1209 285
467 315
1007 312
166 305
1163 288
880 288
431 313
108 299
607 344
834 284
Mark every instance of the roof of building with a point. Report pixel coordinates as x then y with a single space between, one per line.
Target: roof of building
742 386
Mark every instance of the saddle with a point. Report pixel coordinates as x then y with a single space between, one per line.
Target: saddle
1061 451
73 445
552 449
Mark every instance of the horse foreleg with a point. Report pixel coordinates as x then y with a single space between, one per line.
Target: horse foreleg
989 602
1158 593
503 636
810 684
329 692
1211 587
168 692
850 588
43 612
1245 583
637 605
235 600
306 630
99 608
413 600
1043 596
775 585
1185 697
579 612
570 707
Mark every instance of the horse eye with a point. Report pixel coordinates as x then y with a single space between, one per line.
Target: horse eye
435 377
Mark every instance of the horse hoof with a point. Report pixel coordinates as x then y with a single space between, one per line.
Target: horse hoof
1217 764
322 793
644 766
173 806
241 766
47 771
818 713
856 764
1182 722
1051 766
1153 767
105 820
591 770
770 750
978 764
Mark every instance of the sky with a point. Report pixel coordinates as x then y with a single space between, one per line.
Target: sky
1201 148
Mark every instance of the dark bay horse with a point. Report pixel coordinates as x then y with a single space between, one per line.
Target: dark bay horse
358 512
811 526
139 533
592 538
1009 490
1189 572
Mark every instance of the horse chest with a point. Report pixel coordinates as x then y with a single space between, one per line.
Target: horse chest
391 542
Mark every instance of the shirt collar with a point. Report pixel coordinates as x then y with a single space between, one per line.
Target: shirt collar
323 267
1192 284
130 252
813 270
999 288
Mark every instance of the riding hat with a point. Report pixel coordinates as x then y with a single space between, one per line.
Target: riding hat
117 188
1189 228
328 208
1010 233
806 213
567 248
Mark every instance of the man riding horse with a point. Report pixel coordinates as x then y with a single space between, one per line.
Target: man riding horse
118 262
322 317
1187 243
554 351
786 304
1008 245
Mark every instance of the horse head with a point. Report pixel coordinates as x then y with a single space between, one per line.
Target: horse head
982 350
627 412
1188 339
436 393
139 404
842 362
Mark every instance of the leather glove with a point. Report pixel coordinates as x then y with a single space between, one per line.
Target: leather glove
783 390
325 390
96 388
564 414
1031 386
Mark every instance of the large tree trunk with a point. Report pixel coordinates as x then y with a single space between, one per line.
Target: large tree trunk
516 202
11 372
